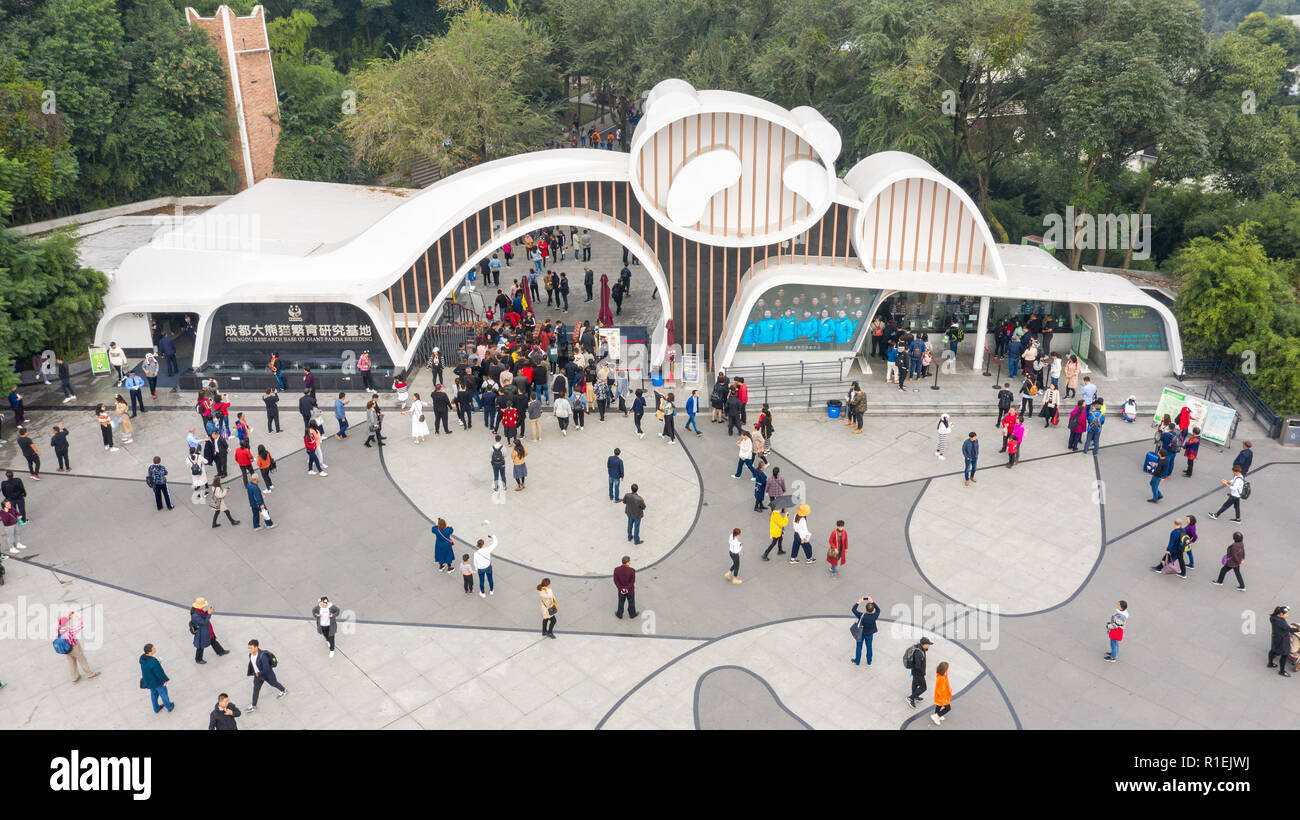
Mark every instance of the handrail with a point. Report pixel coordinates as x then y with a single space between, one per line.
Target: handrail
804 371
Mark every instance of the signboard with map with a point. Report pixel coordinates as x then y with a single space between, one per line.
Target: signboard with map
1215 420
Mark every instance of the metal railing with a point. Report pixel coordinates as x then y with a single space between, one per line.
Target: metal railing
791 373
1247 400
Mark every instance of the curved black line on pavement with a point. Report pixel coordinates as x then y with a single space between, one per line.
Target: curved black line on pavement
699 684
709 642
929 477
968 687
423 625
911 553
1205 494
699 507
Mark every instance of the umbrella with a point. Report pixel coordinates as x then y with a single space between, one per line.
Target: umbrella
670 332
606 316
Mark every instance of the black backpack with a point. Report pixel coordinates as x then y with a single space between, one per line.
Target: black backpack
909 656
1004 400
498 457
148 480
271 658
1245 490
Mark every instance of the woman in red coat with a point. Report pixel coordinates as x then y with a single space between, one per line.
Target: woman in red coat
839 547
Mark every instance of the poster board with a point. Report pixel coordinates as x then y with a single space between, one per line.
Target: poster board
690 368
1082 343
613 337
99 360
1215 420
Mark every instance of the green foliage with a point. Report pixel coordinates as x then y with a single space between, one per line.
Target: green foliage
46 299
37 165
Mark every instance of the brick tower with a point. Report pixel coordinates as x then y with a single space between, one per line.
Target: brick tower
250 88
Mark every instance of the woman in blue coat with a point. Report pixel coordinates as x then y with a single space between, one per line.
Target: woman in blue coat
201 628
867 621
443 550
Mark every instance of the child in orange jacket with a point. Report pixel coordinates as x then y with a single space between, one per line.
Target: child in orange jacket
942 694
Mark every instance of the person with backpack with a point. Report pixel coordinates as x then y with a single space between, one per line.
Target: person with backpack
1096 418
1077 425
1174 550
201 629
954 335
1115 630
1191 448
67 644
1005 400
1158 475
865 629
1028 389
1238 489
1232 560
156 479
914 659
261 668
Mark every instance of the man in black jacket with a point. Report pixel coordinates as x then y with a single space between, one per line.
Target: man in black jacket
215 450
1244 457
918 670
441 407
59 442
13 491
1005 399
733 411
305 404
588 282
223 715
260 670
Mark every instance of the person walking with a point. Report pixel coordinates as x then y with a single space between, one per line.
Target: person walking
1189 529
258 505
970 453
311 442
942 431
775 487
625 583
198 476
59 443
692 408
326 616
1245 455
202 630
549 607
634 509
483 565
517 456
535 417
265 464
776 523
914 660
1174 550
244 460
1280 643
760 486
1077 424
1158 475
498 461
1236 491
217 501
156 477
69 641
444 549
746 456
1051 406
865 629
117 360
638 408
374 423
222 717
153 678
614 468
734 548
802 535
1115 630
563 410
1232 560
942 694
261 668
341 415
65 381
668 413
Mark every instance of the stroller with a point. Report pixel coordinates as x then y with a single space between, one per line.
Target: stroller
1293 657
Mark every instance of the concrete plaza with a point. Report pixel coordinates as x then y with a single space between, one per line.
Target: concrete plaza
1052 544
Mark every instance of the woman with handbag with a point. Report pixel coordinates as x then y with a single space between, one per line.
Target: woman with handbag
549 608
666 413
1051 406
217 501
1232 560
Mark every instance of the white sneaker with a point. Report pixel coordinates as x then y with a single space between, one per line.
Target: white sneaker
642 435
68 399
22 546
331 653
311 472
934 719
114 449
323 474
323 468
13 550
128 440
481 594
492 592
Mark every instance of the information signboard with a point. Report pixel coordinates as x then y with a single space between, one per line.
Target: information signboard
99 360
1215 420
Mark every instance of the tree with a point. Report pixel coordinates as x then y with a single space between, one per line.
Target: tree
464 98
37 165
1231 290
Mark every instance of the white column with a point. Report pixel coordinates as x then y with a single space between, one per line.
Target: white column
981 333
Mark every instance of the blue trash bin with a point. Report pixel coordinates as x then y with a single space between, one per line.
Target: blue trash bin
833 408
657 379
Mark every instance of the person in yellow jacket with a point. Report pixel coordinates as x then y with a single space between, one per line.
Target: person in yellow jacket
776 527
942 694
